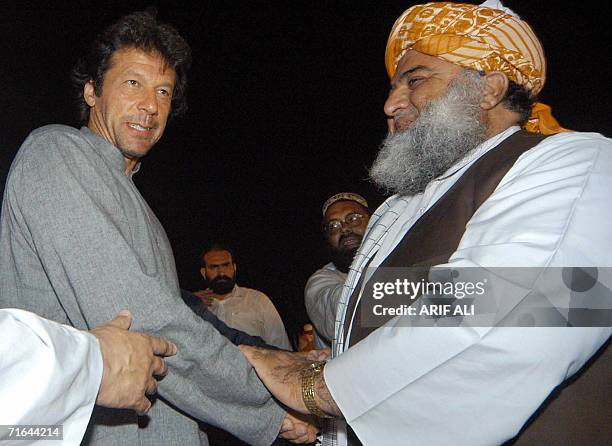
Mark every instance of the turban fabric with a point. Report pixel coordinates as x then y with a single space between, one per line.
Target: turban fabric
479 38
344 196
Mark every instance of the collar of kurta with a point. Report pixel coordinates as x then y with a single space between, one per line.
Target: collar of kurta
108 151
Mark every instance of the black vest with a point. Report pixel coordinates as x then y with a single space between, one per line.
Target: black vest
579 411
435 236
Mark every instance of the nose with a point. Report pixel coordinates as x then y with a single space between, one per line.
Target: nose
345 228
398 100
148 102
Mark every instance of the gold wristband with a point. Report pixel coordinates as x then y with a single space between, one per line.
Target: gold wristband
309 375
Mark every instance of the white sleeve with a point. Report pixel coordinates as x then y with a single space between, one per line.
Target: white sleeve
321 296
274 329
478 386
49 374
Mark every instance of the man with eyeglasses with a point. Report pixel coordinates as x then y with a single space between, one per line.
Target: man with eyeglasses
345 217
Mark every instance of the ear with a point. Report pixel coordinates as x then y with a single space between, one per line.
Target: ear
89 93
235 268
203 272
496 85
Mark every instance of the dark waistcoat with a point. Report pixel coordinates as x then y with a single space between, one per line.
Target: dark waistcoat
576 413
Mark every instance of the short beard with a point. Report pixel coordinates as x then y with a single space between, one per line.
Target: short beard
447 129
222 285
342 258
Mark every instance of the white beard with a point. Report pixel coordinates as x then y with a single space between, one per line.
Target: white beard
447 129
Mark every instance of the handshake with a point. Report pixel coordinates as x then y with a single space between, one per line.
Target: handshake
133 363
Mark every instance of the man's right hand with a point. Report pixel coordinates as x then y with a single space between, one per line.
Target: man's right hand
298 428
131 363
207 296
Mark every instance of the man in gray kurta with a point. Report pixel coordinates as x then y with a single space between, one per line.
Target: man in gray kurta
78 243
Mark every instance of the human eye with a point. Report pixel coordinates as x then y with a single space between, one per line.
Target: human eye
333 226
353 218
414 81
132 82
164 92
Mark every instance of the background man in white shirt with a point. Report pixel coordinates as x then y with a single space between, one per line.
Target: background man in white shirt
345 217
239 307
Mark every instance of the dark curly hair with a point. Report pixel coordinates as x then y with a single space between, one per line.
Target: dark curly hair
137 30
518 100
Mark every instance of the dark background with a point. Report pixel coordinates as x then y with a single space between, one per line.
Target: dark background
285 109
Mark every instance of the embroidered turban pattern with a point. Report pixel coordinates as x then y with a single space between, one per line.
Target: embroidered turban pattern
476 37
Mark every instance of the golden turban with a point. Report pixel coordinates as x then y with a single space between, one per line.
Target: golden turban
475 37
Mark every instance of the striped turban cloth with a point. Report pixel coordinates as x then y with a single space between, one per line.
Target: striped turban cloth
482 38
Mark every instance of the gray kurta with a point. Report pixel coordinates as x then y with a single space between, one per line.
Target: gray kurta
78 243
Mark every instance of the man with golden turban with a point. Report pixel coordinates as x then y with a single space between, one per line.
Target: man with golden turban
520 214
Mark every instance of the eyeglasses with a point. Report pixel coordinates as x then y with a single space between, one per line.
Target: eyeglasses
350 221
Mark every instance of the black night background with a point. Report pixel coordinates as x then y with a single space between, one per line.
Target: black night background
285 105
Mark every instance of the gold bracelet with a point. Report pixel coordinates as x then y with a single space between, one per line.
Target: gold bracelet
309 375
